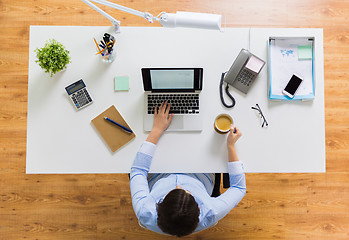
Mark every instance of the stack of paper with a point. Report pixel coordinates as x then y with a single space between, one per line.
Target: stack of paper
286 57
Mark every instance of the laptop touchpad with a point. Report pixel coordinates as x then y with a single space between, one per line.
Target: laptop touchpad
177 122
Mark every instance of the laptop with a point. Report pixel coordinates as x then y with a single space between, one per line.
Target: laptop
181 88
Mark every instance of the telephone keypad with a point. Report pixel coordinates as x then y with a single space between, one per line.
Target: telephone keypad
245 77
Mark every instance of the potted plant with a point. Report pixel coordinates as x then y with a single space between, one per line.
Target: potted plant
53 57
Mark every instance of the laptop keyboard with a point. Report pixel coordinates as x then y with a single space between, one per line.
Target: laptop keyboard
180 103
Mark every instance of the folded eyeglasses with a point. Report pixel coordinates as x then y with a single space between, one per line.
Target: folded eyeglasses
261 115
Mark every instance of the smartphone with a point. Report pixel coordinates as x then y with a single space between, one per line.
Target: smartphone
292 85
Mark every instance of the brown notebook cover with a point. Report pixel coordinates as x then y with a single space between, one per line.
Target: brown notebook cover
113 135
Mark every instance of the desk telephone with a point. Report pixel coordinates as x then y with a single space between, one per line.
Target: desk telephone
241 74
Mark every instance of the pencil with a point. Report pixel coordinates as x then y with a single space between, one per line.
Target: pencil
97 45
109 44
100 52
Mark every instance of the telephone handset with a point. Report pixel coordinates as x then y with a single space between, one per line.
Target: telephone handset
241 74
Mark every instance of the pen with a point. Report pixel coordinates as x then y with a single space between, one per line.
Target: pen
117 124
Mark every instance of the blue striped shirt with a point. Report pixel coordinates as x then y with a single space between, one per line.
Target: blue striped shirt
145 195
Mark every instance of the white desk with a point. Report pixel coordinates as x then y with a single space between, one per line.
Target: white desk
62 140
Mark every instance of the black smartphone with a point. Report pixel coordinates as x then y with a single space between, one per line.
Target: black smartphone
292 85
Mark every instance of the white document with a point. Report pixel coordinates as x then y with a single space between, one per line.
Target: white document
284 63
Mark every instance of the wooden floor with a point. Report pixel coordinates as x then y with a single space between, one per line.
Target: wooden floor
277 206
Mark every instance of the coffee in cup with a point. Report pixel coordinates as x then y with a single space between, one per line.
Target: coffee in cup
223 122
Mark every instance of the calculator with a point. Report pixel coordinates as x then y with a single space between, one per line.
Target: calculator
79 95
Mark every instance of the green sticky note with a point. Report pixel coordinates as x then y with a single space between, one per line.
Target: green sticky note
305 52
122 83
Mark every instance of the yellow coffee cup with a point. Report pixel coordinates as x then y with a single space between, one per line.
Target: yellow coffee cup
223 122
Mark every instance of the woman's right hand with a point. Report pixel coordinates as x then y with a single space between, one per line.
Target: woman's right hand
233 137
162 117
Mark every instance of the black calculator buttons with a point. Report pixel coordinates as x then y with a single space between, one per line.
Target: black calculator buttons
81 98
78 94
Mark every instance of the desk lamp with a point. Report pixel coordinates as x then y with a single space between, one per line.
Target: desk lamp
172 20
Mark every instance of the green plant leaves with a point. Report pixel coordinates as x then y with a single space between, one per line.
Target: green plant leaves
53 57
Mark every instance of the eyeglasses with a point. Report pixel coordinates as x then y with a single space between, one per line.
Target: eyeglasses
260 113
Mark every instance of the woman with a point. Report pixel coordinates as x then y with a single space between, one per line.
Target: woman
180 204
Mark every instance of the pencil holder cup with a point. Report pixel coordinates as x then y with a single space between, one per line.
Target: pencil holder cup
109 57
105 46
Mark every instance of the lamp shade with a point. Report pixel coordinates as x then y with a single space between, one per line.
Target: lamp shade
191 20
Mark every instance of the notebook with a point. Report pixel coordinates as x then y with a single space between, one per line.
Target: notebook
114 136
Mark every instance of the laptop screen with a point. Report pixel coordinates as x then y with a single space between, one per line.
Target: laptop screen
172 79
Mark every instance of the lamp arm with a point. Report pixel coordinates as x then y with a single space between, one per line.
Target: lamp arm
115 22
121 8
